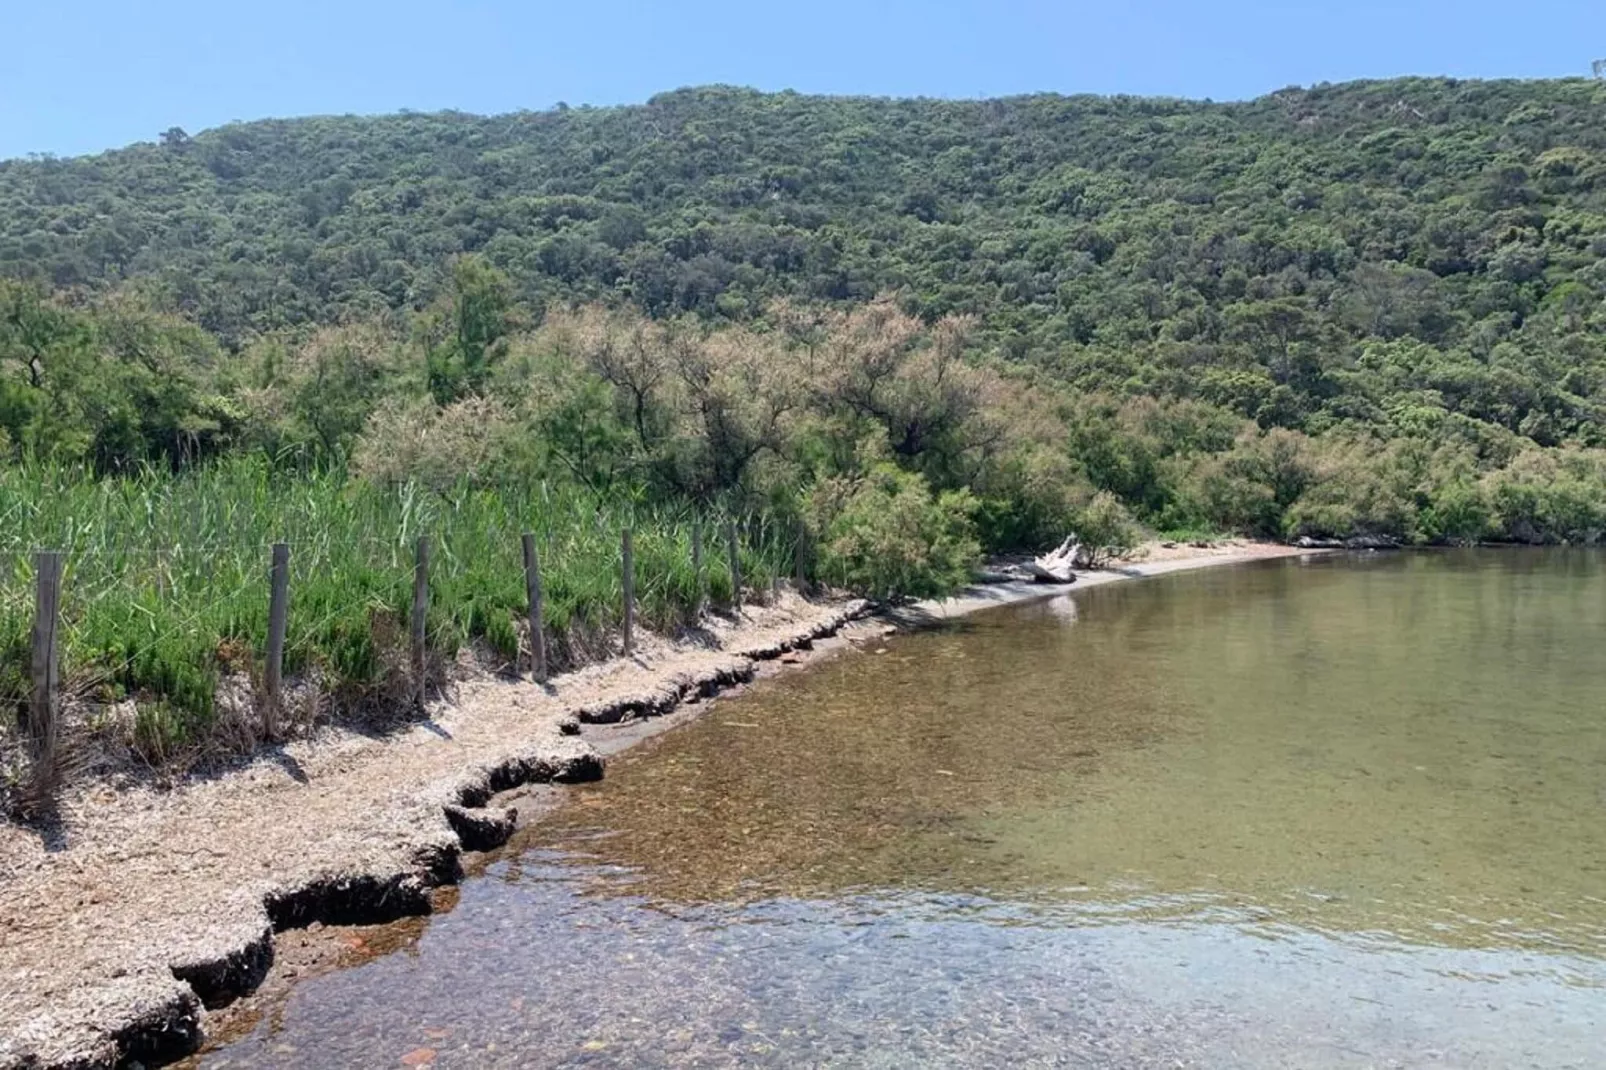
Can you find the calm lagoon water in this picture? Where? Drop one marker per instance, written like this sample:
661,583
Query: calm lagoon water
1330,812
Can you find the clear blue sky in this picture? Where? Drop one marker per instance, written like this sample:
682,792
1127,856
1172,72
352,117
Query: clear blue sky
84,75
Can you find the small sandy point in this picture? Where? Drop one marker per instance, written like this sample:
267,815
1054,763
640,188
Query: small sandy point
1150,559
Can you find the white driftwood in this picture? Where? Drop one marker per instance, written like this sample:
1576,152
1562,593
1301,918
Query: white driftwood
1056,566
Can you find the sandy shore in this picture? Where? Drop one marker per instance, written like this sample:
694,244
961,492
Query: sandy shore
145,909
1154,559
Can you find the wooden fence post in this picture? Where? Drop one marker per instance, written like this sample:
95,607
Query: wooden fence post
800,574
46,667
775,577
697,603
735,548
629,564
532,589
420,621
278,617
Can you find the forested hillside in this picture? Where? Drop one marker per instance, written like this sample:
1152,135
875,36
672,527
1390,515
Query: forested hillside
879,336
1310,285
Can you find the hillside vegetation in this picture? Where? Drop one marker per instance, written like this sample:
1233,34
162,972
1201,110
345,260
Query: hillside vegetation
1411,271
910,328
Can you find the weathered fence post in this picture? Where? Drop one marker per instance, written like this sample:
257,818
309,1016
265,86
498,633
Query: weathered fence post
629,564
775,577
735,549
697,567
532,589
278,617
46,667
420,621
800,573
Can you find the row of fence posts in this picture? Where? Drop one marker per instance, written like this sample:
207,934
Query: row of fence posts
46,656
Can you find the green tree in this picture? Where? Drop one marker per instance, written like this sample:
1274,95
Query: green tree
465,334
46,355
886,536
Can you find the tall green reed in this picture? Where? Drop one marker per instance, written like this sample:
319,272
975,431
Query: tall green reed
167,575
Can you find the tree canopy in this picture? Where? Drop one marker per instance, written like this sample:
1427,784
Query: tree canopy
1221,310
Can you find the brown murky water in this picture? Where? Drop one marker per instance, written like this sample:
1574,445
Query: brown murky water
1339,812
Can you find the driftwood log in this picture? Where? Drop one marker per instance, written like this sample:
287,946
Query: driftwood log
1056,566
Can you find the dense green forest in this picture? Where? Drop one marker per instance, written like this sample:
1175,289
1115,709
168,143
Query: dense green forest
1371,307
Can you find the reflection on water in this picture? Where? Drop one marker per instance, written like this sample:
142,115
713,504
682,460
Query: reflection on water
1340,812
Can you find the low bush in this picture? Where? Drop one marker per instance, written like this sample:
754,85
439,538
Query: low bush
886,536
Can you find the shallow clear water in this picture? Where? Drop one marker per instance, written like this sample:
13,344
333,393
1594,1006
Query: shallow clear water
1334,812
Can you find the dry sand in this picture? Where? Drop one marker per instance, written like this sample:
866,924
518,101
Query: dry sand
145,907
1151,559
